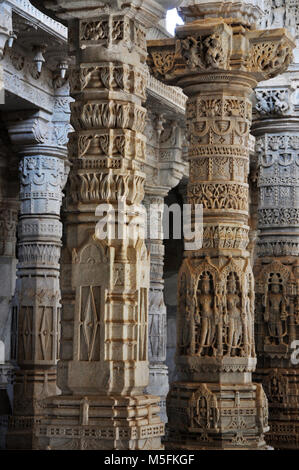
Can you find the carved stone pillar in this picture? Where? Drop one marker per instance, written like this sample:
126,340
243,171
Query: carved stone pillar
158,373
164,169
36,304
8,223
218,62
253,200
104,345
276,128
9,207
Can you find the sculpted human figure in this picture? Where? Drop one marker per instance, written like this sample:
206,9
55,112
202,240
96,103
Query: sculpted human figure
204,410
214,51
205,317
262,105
191,53
278,14
234,317
275,312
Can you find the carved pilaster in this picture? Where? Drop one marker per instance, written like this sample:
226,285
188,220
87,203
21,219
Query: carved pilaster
218,63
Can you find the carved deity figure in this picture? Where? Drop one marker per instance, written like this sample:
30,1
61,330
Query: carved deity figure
233,317
279,12
203,409
205,317
275,316
191,52
214,53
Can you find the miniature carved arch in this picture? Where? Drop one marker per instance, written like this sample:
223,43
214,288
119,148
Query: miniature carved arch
91,252
239,273
282,273
203,409
90,264
207,267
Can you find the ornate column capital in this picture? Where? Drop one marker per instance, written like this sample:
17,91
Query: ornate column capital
213,45
164,166
39,129
44,167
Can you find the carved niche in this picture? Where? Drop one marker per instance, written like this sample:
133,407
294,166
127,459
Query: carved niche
216,308
276,308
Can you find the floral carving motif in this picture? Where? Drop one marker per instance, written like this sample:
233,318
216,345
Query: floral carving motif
273,101
271,58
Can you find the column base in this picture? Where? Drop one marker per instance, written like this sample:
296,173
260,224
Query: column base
211,416
31,388
101,423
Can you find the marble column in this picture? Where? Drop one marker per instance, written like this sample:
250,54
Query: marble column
164,169
158,372
253,199
36,303
218,62
276,127
104,344
9,206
